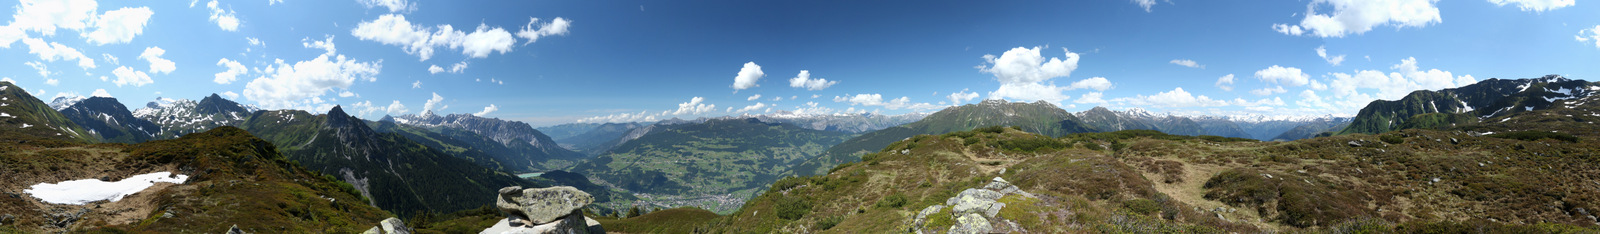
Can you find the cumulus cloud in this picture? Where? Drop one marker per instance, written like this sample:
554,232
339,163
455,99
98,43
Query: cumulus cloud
100,93
234,71
1091,98
230,94
803,80
51,51
223,18
1096,83
962,96
1334,60
300,84
1187,63
1536,5
1175,98
395,6
436,101
877,100
753,97
47,16
748,75
435,69
1146,4
1283,75
416,85
554,27
1405,77
128,76
393,29
367,108
1269,91
621,118
1589,34
749,108
1022,73
1225,82
43,69
486,110
1275,101
694,107
1359,16
157,64
119,26
326,44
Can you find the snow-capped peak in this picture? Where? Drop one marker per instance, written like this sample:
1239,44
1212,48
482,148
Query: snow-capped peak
62,102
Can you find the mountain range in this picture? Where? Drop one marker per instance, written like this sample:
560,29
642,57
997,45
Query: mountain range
534,151
33,119
1468,104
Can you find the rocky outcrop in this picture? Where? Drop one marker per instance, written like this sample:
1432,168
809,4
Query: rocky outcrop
544,210
975,210
389,226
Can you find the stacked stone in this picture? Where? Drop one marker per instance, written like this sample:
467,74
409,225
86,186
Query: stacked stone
975,210
544,210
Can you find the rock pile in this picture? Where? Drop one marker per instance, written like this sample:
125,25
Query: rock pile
974,210
544,210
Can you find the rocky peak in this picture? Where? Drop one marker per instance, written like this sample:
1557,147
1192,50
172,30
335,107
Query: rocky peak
215,104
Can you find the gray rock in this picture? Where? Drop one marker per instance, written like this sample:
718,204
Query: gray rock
974,201
923,216
389,226
1354,144
971,223
573,223
993,210
235,230
594,226
542,205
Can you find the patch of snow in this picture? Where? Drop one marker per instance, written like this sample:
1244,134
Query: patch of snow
1527,108
78,192
3,114
25,125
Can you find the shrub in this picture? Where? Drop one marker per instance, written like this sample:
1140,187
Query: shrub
1142,206
793,208
895,201
829,222
1392,139
787,183
991,129
1535,135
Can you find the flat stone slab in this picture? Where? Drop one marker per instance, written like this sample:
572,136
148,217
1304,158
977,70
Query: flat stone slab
542,205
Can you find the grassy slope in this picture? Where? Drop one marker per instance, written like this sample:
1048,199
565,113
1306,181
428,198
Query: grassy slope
235,179
1039,117
43,122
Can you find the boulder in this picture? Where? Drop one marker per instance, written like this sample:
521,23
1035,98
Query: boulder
573,223
235,230
973,201
389,226
542,205
971,223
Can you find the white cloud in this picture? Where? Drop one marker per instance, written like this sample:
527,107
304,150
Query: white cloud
416,85
694,107
109,58
555,27
753,97
223,18
435,69
962,96
234,71
1275,101
1225,82
457,67
1096,83
803,80
366,108
1359,16
1145,3
43,69
1283,75
392,29
157,64
1593,34
253,41
1536,5
877,100
748,75
230,94
1091,98
1269,91
1175,98
1335,60
1022,73
100,93
1187,63
52,82
273,2
486,110
119,26
749,108
51,51
128,76
436,101
300,85
347,93
45,16
620,118
779,98
1407,77
395,6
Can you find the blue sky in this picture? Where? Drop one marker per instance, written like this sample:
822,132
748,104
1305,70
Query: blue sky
651,60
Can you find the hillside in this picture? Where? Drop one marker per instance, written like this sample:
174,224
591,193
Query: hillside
848,123
1314,129
111,120
716,164
234,179
1038,117
1468,104
1412,181
567,129
29,118
601,138
400,175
